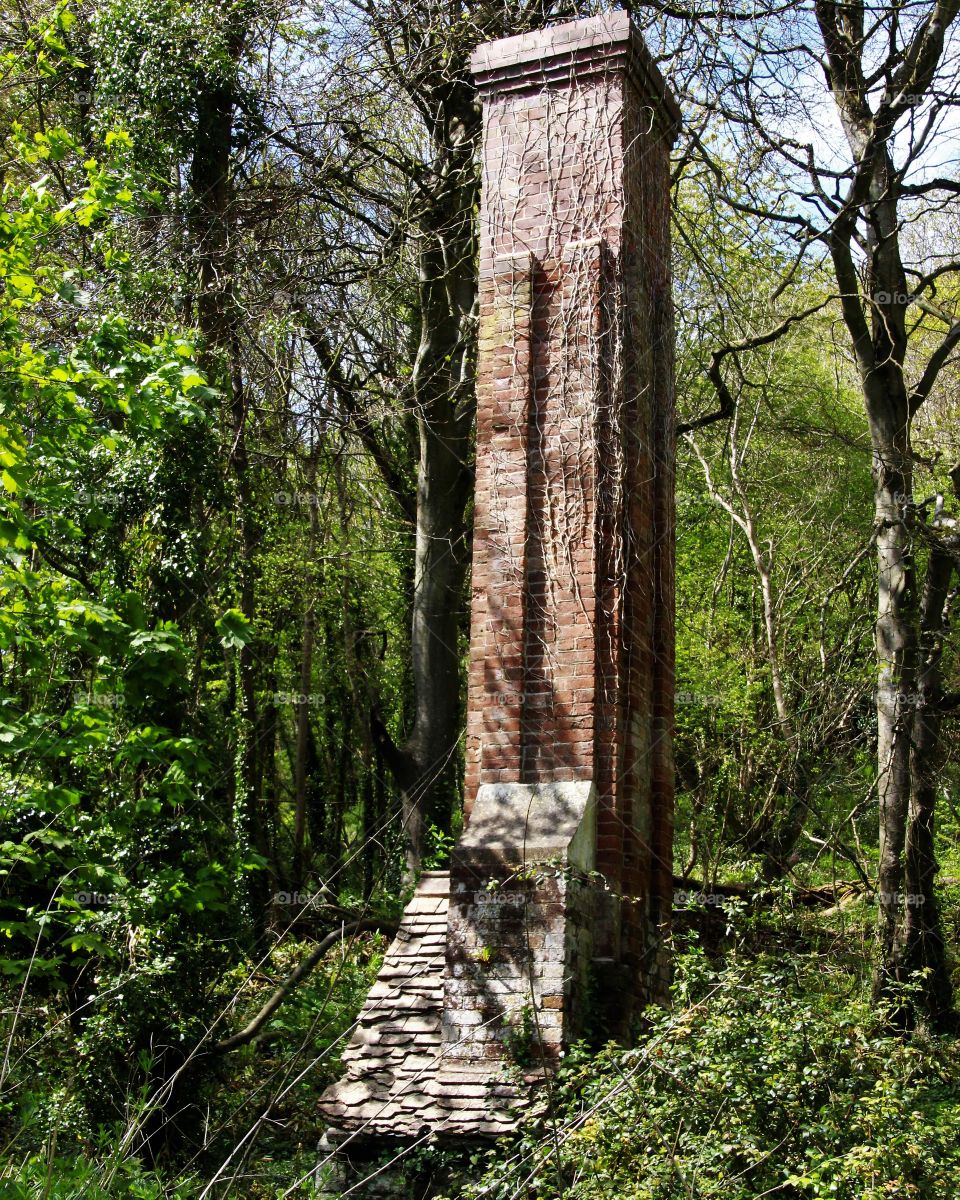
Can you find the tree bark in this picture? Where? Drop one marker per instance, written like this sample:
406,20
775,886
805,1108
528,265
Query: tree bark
219,318
896,682
424,765
921,947
876,321
304,705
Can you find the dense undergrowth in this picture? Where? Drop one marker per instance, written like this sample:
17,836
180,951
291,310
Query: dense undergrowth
767,1080
770,1076
248,1121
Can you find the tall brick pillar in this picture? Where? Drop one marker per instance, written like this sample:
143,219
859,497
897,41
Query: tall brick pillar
549,922
571,656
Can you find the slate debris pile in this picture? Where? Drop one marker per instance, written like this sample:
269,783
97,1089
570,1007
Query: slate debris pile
398,1084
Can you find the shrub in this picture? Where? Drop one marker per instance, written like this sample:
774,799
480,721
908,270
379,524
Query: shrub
766,1081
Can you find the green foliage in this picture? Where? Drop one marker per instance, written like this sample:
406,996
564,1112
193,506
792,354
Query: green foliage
57,1177
99,775
154,61
296,1057
117,872
520,1039
439,844
792,465
763,1080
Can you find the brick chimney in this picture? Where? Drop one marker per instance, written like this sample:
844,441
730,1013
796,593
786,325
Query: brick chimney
571,654
560,886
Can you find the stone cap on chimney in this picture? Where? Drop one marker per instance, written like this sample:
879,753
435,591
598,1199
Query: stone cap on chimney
559,54
533,822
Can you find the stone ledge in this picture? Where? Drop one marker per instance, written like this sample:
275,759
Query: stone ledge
522,48
533,822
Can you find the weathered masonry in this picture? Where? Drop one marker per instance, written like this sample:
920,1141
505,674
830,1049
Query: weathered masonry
550,918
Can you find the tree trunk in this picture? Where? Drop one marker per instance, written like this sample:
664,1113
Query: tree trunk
896,684
303,704
218,317
921,946
425,766
250,775
877,326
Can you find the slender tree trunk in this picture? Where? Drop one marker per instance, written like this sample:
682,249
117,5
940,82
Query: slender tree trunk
267,766
922,946
303,705
219,317
318,774
372,820
896,684
424,766
879,338
250,781
774,832
367,851
343,800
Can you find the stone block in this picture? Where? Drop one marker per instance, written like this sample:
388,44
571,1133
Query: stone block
534,821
